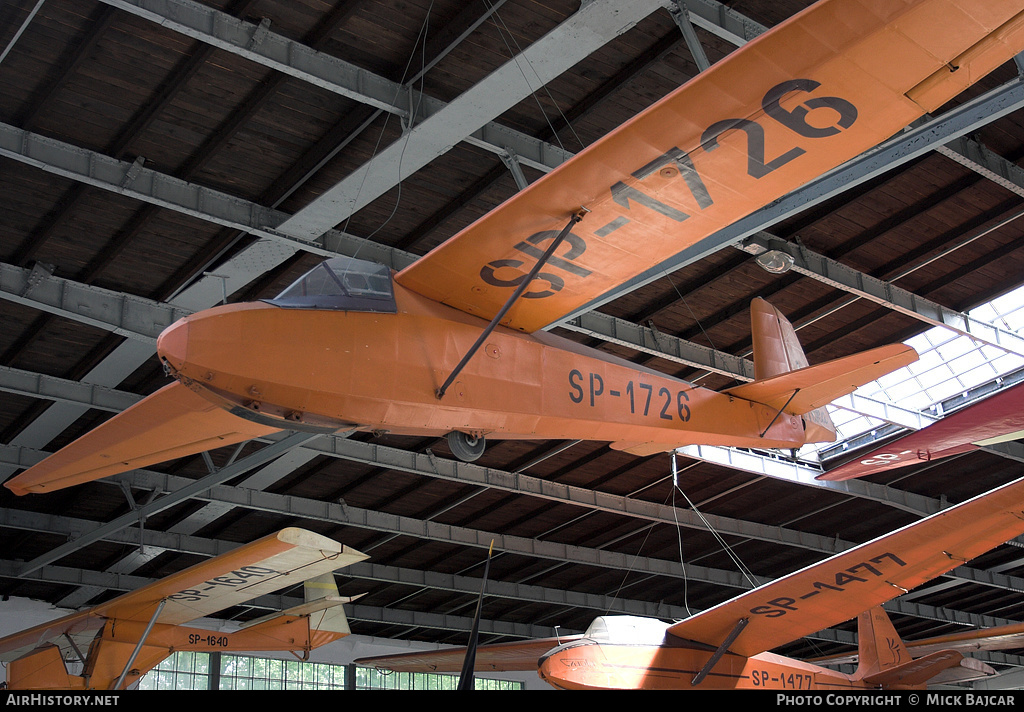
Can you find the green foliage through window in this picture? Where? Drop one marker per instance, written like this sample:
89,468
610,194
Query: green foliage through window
206,671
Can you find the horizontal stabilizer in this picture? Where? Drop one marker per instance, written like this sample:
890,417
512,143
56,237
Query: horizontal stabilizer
171,423
303,609
799,392
916,672
1006,637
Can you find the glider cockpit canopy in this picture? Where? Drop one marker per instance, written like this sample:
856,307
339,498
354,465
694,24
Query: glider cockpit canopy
343,284
627,630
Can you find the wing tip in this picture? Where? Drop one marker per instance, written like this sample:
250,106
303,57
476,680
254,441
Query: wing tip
16,489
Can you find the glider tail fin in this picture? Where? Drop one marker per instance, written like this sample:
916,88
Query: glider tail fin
42,669
880,647
777,351
324,590
885,662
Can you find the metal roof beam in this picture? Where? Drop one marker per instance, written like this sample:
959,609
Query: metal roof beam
596,23
201,546
465,473
721,21
838,275
165,191
125,315
584,32
367,519
428,465
344,515
38,385
784,468
681,16
340,514
983,161
647,340
258,44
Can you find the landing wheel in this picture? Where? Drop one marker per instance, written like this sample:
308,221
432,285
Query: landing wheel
465,447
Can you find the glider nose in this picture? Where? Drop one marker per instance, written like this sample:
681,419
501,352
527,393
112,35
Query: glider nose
172,344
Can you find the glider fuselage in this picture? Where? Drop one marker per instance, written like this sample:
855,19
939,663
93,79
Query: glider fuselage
378,371
589,665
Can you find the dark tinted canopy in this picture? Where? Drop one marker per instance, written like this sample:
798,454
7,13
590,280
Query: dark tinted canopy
341,283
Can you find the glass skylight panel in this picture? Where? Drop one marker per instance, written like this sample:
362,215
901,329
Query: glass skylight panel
949,365
954,348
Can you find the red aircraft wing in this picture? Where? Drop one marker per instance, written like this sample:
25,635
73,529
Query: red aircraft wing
997,418
819,89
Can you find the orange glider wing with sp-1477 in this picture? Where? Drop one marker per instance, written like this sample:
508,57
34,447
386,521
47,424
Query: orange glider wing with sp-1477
724,647
129,635
351,346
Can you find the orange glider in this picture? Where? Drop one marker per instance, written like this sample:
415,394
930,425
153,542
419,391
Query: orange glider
352,347
725,647
129,635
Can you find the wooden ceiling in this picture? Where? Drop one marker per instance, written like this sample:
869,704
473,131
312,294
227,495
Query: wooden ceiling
89,84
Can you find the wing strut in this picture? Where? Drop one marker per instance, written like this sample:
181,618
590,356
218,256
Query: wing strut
780,411
576,217
74,647
138,646
713,660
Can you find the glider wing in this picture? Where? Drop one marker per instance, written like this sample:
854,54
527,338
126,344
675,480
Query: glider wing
841,587
278,561
819,89
998,418
171,423
500,657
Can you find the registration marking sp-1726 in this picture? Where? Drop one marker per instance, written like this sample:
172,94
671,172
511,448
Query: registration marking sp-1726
833,115
643,398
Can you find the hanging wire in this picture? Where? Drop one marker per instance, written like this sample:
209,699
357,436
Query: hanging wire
515,55
746,572
686,304
413,109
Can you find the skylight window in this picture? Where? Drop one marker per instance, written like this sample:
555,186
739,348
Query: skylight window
950,364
